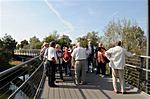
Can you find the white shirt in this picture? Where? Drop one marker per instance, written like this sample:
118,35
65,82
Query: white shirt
116,55
79,53
51,53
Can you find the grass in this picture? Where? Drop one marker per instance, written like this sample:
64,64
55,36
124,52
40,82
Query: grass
14,62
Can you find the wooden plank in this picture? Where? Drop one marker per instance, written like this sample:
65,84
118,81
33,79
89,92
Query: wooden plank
67,92
45,93
61,91
96,88
51,93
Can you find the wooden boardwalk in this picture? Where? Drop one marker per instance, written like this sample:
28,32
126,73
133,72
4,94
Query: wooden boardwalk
96,88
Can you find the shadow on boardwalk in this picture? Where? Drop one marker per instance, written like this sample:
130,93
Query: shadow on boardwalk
96,88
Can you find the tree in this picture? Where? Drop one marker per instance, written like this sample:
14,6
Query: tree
64,40
35,43
52,37
24,43
83,40
93,37
90,36
1,44
129,32
7,46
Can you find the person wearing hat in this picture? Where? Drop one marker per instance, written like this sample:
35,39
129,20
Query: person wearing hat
43,49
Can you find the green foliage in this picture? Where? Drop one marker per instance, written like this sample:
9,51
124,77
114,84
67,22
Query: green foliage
35,43
5,56
129,32
83,40
1,43
24,43
7,46
64,40
93,37
52,37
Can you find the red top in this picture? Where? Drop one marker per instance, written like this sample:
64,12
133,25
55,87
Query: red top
66,55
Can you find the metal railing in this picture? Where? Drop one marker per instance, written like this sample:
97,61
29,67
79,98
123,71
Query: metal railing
27,52
137,72
22,81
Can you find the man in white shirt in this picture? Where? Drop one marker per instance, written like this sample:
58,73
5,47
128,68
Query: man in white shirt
116,55
79,57
52,57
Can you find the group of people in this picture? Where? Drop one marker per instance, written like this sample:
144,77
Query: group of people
80,58
55,59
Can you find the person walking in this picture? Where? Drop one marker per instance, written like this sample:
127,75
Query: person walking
79,57
116,55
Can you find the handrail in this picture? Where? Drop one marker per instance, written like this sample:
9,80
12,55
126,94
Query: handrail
138,75
10,97
40,86
17,66
137,67
27,52
13,78
145,56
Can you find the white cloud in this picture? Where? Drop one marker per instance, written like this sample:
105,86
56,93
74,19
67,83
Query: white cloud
65,22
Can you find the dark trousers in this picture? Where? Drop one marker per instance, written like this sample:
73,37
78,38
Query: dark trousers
59,68
102,67
90,60
67,67
51,73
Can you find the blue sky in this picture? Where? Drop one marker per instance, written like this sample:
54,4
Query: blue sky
23,19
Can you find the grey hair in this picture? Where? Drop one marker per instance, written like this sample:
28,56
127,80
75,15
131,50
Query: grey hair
78,44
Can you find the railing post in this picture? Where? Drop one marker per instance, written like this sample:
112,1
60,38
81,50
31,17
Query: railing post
147,78
148,50
140,72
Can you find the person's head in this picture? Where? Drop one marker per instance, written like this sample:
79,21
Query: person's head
45,44
57,46
78,44
99,48
66,48
100,45
119,43
52,44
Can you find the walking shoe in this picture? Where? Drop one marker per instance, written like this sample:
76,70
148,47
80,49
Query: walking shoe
123,92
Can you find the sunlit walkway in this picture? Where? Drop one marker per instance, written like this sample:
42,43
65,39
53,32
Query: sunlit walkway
96,88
